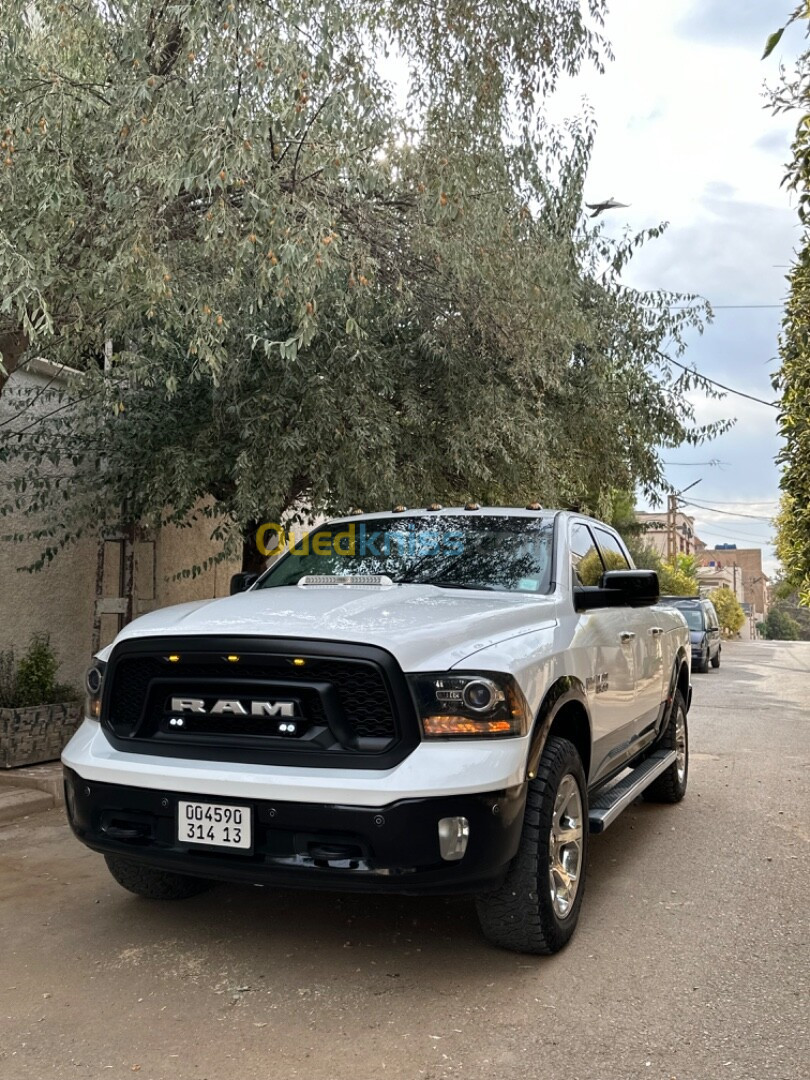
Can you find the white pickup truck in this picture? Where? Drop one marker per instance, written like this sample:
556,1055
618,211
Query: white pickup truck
420,701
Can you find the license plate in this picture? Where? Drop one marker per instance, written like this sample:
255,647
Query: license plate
214,825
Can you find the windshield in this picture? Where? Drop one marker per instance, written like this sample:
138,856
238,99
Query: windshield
693,616
504,553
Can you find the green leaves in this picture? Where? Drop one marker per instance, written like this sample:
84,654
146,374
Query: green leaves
772,42
317,296
793,377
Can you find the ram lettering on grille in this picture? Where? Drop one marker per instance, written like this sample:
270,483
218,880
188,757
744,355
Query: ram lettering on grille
233,707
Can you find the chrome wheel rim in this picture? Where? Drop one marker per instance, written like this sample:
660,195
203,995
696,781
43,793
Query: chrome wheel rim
680,745
565,847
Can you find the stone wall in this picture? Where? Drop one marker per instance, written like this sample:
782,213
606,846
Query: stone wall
30,736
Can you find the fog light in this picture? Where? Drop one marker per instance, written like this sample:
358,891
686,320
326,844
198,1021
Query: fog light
454,832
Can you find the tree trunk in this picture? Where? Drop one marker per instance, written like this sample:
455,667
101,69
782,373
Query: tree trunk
253,562
12,348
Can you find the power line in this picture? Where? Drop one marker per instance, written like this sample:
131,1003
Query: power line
727,513
729,307
719,530
714,463
714,382
744,502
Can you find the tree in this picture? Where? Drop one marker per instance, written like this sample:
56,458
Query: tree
729,611
314,298
793,377
678,578
785,599
779,626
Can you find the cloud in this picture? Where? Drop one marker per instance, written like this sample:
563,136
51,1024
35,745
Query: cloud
720,189
775,142
744,23
732,254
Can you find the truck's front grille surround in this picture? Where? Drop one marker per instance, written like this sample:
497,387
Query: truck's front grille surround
355,697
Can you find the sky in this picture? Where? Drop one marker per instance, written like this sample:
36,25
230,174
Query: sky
684,136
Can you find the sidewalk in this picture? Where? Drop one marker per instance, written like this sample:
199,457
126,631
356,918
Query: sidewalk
29,790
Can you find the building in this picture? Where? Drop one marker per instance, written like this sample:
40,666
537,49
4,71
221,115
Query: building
745,566
725,577
655,533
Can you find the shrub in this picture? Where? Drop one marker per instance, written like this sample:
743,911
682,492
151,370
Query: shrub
779,626
32,679
729,611
8,679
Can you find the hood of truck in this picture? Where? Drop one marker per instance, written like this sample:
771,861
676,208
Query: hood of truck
423,626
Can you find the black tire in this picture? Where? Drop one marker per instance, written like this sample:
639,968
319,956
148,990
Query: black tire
702,665
670,787
152,883
716,659
520,915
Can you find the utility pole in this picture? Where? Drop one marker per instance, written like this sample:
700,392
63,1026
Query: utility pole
672,510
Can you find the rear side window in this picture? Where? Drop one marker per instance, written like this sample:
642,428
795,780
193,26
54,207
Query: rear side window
612,551
711,614
694,616
586,563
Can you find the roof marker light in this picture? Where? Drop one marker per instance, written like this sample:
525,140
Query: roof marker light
399,509
232,658
534,506
435,506
298,662
174,658
471,506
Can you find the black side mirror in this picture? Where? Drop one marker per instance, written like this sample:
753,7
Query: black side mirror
620,588
242,582
637,587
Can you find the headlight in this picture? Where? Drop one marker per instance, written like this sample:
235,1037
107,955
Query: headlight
93,683
470,706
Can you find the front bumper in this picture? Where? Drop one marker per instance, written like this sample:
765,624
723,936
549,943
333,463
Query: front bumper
392,848
436,768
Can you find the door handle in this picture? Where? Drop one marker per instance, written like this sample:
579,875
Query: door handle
656,630
626,635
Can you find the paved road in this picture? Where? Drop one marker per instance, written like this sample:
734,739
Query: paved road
690,962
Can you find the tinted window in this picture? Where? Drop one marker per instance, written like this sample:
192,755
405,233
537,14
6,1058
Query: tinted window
614,557
508,553
586,563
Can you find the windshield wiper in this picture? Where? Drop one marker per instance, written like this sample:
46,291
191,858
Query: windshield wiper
444,584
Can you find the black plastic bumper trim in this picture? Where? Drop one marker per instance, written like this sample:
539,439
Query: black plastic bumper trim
394,848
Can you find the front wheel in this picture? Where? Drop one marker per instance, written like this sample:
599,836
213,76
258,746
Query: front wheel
537,907
702,666
670,786
716,659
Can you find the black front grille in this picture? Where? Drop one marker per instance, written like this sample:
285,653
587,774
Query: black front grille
354,704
